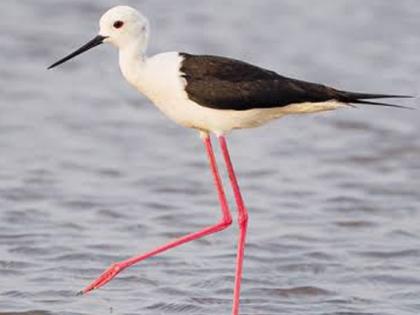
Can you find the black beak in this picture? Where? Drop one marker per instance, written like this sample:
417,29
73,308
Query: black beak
93,43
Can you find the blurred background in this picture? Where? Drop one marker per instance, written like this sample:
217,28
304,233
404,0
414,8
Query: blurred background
91,172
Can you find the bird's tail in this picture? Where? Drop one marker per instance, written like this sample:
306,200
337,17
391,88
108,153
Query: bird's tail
365,99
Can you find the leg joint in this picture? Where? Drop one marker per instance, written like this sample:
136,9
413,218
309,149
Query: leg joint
243,219
226,222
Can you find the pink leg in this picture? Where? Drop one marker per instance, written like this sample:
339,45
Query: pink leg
226,221
243,224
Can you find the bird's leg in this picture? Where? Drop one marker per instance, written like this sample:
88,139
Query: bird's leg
243,224
225,222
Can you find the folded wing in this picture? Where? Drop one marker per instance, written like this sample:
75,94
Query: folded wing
228,84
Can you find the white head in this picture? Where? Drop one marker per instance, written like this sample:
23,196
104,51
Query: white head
122,26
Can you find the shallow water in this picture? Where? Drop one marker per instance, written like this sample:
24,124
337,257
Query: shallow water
91,173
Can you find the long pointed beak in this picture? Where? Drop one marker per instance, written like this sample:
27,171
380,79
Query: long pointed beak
98,40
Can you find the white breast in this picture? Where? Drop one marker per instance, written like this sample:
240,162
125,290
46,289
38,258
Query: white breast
159,79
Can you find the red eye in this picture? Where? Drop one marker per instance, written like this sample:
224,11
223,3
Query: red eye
118,24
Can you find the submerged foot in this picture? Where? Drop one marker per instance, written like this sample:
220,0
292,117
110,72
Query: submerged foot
103,279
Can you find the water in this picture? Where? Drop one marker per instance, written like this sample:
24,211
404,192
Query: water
91,173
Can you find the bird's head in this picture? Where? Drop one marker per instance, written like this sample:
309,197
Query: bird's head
122,26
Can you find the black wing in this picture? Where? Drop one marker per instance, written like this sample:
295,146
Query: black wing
228,84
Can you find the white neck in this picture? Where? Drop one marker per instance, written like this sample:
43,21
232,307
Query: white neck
132,58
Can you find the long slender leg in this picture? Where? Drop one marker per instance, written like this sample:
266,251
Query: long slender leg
243,224
225,222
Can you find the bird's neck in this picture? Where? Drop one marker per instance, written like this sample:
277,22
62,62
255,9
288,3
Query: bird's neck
132,59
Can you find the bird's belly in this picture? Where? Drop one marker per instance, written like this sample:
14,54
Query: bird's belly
191,115
187,113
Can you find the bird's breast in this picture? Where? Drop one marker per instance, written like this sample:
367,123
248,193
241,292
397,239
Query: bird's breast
160,80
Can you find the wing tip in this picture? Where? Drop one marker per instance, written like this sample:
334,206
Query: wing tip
364,99
363,102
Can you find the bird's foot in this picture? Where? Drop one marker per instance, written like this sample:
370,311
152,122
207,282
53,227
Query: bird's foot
104,278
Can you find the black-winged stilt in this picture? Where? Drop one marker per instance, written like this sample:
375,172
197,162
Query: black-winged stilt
213,95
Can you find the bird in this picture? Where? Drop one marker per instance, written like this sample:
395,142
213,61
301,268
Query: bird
213,95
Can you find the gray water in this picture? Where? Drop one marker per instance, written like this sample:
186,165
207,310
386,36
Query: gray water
92,173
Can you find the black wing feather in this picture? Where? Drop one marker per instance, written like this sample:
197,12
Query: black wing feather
228,84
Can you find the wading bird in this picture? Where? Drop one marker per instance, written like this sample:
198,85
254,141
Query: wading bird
213,95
